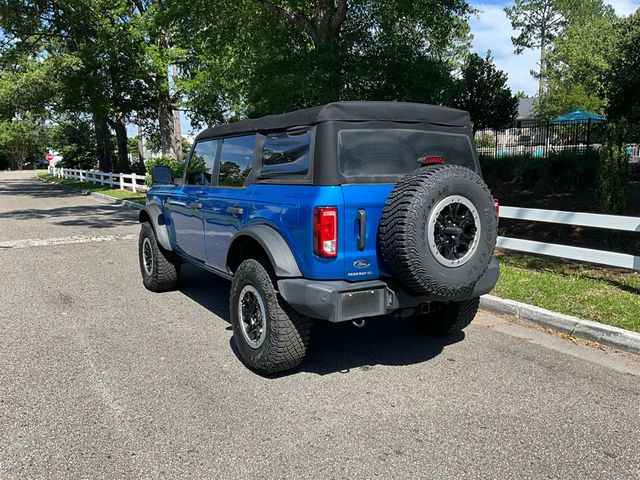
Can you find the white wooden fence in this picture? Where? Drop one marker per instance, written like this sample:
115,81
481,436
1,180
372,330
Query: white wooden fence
601,257
114,180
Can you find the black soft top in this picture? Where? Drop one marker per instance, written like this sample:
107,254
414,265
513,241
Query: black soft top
345,111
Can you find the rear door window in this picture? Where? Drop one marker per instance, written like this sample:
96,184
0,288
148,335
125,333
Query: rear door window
393,152
236,160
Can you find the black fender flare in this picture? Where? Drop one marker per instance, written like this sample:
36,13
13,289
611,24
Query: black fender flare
276,247
153,214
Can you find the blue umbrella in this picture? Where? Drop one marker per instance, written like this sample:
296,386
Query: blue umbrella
578,115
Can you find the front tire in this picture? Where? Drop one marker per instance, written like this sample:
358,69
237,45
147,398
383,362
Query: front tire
160,269
271,337
450,318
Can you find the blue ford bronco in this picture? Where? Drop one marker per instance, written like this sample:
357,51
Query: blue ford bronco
340,212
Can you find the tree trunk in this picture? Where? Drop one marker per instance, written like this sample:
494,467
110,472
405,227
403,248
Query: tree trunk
323,27
123,149
542,71
170,144
140,141
102,142
177,129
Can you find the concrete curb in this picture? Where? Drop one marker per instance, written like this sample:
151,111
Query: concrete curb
598,332
119,201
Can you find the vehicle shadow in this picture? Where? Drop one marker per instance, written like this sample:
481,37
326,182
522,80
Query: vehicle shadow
334,347
206,289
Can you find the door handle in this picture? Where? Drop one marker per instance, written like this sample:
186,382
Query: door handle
362,234
171,201
195,205
235,210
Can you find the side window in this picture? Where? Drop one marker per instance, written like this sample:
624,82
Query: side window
286,154
200,168
236,160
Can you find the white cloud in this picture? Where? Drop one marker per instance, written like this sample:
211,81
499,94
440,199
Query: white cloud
492,31
624,7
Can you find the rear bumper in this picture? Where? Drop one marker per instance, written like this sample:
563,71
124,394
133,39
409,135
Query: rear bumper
339,301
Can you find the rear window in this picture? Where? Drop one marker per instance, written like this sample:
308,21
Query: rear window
393,152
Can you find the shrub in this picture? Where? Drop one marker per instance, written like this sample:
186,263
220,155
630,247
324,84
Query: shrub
560,172
176,167
486,140
613,174
78,156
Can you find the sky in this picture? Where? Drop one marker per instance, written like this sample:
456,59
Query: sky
492,31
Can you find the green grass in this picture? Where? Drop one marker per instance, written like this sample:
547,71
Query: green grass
111,192
605,295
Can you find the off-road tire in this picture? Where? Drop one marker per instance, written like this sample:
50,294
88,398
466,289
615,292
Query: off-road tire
404,223
449,318
287,331
165,271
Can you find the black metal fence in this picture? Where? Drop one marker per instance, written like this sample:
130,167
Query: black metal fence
541,139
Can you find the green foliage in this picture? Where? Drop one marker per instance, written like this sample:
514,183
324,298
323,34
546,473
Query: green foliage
622,80
483,91
575,67
153,144
613,174
538,23
74,138
22,140
231,175
279,56
561,98
560,172
486,140
177,167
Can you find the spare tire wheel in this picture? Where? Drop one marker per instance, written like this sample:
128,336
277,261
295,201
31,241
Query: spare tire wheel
438,230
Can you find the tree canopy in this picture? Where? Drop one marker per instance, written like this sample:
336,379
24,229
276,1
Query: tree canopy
621,86
483,91
117,63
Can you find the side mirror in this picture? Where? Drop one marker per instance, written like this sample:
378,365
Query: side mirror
161,175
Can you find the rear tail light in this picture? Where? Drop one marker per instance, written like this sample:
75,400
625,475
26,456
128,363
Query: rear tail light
325,231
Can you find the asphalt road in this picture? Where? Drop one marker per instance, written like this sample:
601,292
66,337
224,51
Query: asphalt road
100,378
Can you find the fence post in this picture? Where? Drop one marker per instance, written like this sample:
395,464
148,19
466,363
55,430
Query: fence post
121,181
133,182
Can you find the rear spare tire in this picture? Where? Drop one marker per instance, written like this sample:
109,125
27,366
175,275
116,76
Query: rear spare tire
438,230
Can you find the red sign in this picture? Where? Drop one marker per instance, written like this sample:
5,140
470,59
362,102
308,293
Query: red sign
48,157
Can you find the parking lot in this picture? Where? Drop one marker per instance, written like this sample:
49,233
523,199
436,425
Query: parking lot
100,378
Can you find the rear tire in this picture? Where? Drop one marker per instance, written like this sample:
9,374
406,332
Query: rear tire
271,337
160,269
450,317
